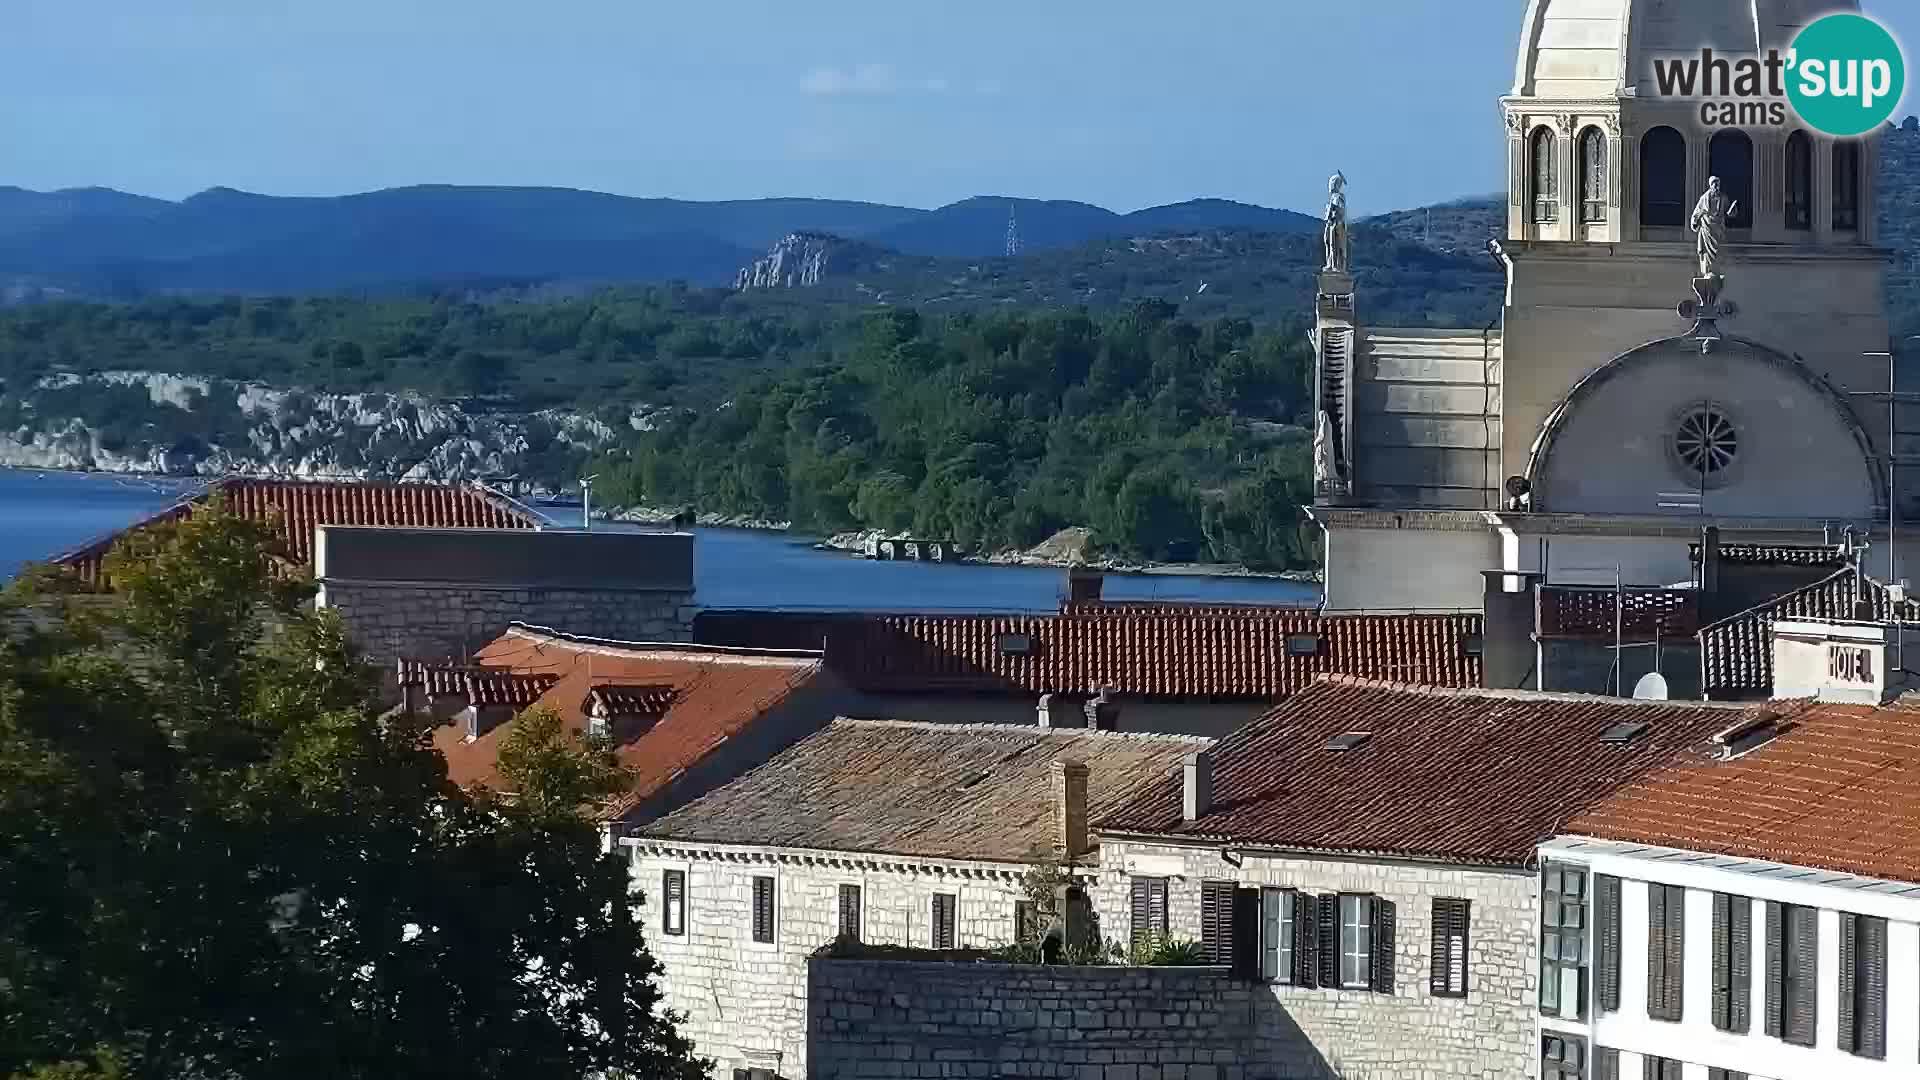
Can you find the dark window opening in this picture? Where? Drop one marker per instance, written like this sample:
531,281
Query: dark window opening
1545,179
1663,178
1846,186
1730,157
943,920
1799,182
1593,177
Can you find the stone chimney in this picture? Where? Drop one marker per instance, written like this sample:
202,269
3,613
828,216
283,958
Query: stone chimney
1197,786
1084,585
1069,786
1710,560
1056,711
1103,712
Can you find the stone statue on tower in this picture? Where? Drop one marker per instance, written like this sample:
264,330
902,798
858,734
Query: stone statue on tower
1709,223
1338,252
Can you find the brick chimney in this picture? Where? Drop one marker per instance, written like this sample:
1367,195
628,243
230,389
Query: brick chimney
1069,787
1103,712
1197,786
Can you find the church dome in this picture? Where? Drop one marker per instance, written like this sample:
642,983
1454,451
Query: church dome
1587,50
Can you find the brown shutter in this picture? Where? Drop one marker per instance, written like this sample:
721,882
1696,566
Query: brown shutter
1216,921
1722,962
763,909
1872,1017
1775,1023
1606,899
1381,977
1450,919
1306,940
1740,966
1157,907
850,911
1244,945
1142,912
1330,941
1657,969
943,920
1804,939
1844,1038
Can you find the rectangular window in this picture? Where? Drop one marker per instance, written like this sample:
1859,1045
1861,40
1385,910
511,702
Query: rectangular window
1732,962
673,902
1606,942
1356,942
1666,949
763,912
1563,940
1606,1063
1277,930
850,912
1448,976
1793,946
1026,921
1863,986
1725,1074
1656,1068
1562,1057
943,919
1149,911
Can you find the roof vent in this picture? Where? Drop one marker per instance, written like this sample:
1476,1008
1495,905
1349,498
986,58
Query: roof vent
1749,734
1472,644
1348,740
1014,644
1303,644
1622,734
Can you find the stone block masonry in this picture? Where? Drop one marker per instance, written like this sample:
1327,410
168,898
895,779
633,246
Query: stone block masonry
431,621
870,1020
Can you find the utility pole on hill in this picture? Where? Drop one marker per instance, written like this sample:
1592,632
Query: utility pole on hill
1013,230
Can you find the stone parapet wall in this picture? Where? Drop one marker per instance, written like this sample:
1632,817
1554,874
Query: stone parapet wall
430,621
880,1019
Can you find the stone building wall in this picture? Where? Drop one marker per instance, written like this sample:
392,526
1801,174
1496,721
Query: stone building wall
882,1019
1410,1034
390,620
746,1001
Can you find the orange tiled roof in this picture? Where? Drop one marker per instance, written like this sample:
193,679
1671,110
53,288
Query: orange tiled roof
1838,790
1464,776
716,694
1213,651
297,506
1736,653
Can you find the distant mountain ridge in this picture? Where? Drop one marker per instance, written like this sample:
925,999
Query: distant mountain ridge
96,242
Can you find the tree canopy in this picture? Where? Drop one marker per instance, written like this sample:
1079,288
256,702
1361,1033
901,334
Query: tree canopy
222,861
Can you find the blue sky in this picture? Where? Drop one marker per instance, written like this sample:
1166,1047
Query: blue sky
1125,103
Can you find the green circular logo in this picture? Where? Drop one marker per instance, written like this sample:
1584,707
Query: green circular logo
1845,75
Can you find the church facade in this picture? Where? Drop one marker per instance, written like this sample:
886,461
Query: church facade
1672,352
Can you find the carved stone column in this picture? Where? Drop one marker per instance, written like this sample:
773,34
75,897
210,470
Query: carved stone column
1519,215
1822,190
1567,163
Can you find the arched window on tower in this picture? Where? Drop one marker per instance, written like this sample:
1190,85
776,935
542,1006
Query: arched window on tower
1663,178
1846,186
1799,181
1730,157
1593,177
1544,179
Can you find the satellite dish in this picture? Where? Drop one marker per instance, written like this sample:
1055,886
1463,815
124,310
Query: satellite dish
1651,687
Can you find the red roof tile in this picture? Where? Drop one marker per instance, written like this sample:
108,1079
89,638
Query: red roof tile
610,699
1838,790
1466,776
716,694
1215,651
1736,653
297,506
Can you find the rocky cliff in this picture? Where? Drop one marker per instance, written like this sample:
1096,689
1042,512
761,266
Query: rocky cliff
804,259
152,422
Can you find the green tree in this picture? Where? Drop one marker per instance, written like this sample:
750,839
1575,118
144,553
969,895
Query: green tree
222,862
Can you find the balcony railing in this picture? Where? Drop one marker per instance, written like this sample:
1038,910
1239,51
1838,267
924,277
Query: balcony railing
1590,611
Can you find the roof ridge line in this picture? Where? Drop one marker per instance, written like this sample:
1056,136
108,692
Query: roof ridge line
530,630
1359,682
1019,729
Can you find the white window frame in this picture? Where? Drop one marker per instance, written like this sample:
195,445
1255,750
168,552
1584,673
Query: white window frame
1356,940
1561,973
1276,933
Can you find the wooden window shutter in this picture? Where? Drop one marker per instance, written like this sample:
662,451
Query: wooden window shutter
673,910
1803,932
763,909
1606,930
1142,912
1244,945
1216,921
1872,1011
1330,940
1775,1022
850,911
943,919
1306,940
1380,978
1157,908
1449,946
1606,1064
1676,956
1659,971
1849,931
1725,1074
1656,1068
1740,942
1722,962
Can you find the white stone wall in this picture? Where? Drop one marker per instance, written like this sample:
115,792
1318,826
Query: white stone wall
390,621
1410,1034
744,999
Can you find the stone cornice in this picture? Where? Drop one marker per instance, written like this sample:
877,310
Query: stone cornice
838,860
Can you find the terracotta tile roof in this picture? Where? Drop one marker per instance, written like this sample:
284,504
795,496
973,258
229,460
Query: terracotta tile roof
611,699
1214,651
1463,776
936,791
1736,653
297,506
481,686
1838,790
716,695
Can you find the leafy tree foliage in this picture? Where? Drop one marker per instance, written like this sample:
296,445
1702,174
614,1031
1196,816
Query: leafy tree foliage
222,863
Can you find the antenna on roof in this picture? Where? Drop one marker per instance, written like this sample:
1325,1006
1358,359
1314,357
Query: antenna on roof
586,502
1651,687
